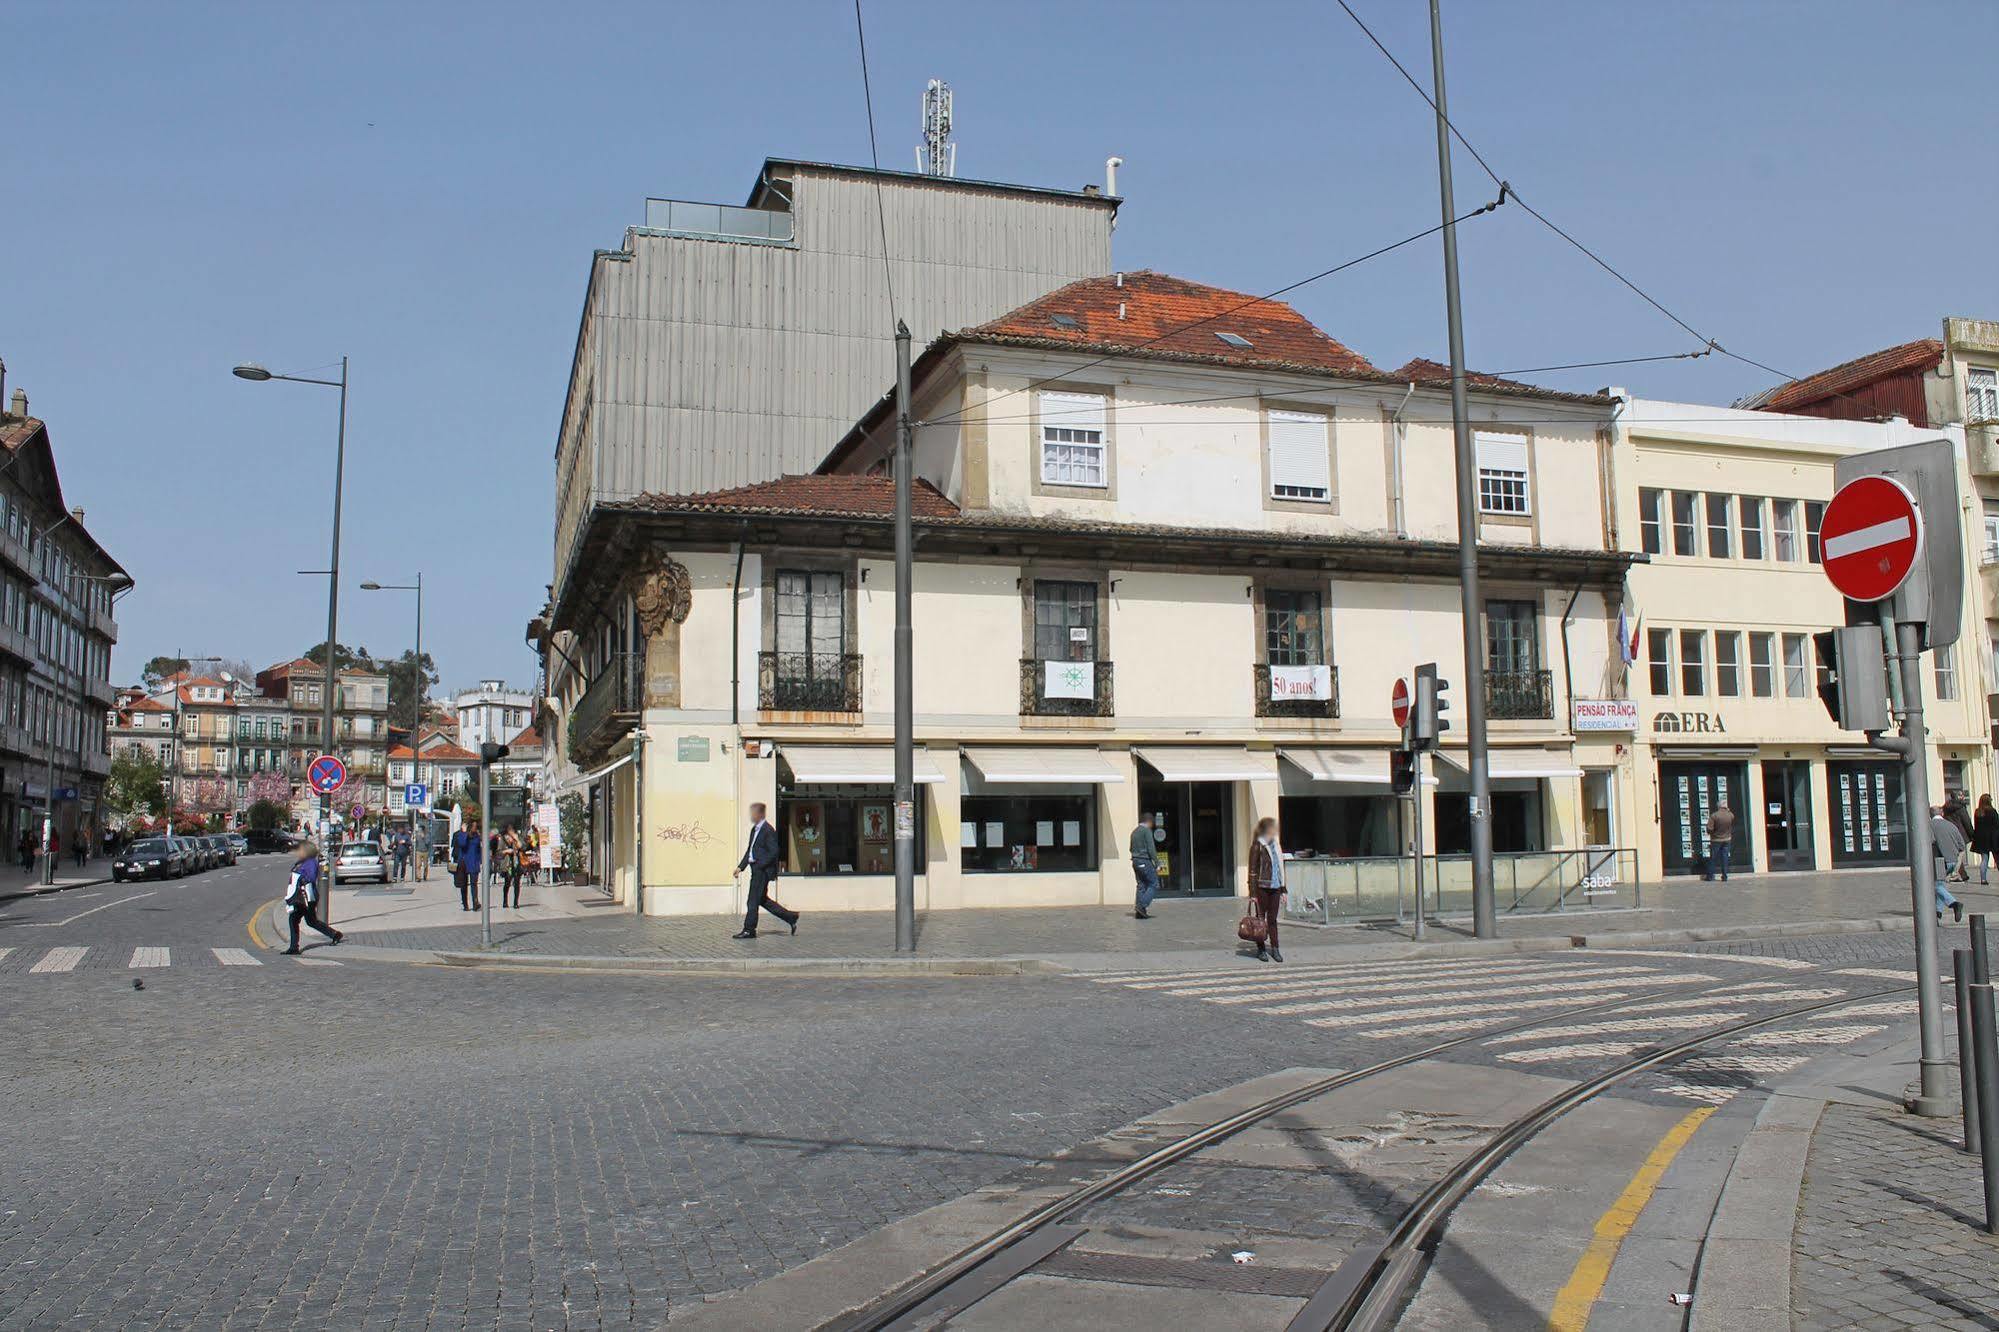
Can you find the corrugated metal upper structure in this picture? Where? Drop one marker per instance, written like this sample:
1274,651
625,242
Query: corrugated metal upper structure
1880,384
727,346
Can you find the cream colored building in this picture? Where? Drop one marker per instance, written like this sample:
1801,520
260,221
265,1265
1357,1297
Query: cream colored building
1725,506
1159,567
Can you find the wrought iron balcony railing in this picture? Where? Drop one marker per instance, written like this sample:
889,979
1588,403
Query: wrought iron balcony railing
809,682
609,707
1065,688
1519,695
1292,705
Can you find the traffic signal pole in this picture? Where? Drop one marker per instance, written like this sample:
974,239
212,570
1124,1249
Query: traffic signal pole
1484,924
905,715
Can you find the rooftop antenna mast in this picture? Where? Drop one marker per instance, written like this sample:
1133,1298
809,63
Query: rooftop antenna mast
937,156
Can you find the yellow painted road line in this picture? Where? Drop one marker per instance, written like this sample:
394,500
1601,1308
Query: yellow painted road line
251,926
1585,1284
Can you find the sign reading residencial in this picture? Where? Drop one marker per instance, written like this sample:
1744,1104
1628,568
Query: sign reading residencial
1604,714
1872,533
1068,679
1301,682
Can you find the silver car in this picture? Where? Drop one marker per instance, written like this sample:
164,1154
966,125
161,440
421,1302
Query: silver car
360,861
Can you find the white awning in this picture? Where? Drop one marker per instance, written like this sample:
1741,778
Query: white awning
1022,764
1346,767
854,765
1210,763
1517,764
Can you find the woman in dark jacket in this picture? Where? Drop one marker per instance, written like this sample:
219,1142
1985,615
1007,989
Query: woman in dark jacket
1266,885
1985,837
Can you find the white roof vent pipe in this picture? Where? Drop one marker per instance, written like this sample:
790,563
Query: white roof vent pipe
1111,164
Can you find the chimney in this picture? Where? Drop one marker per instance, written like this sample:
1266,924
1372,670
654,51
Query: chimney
76,515
19,406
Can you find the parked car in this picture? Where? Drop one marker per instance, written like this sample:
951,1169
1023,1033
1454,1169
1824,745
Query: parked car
149,858
267,840
239,845
360,860
221,848
194,852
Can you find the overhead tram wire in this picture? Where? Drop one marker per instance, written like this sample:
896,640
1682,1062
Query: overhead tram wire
1233,309
1507,187
874,156
1353,387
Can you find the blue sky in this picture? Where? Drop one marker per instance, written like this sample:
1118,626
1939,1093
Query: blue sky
419,187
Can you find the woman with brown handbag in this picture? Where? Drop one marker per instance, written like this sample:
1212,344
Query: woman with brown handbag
1266,886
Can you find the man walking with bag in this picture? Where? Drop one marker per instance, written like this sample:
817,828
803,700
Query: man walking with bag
1144,865
302,896
760,858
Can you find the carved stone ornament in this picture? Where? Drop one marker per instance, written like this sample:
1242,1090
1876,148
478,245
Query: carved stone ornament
661,592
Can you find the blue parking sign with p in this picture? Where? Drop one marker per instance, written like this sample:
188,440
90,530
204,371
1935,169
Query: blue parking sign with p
416,793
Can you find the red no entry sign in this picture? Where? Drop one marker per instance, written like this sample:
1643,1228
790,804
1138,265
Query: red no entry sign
1398,702
1872,533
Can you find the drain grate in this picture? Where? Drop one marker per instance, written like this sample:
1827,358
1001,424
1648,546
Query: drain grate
1181,1273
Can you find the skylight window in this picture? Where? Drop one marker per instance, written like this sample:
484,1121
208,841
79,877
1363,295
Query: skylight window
1236,340
1064,321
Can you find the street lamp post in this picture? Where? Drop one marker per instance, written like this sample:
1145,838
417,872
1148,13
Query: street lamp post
422,688
258,374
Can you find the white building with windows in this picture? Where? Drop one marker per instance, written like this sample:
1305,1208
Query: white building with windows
1162,565
1725,505
492,712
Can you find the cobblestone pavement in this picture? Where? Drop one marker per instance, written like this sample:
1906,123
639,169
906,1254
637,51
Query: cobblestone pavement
1890,1227
1177,925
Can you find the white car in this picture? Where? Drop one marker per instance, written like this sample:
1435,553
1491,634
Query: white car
355,861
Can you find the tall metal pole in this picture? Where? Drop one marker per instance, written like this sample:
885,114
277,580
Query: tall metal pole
173,750
1933,1097
416,714
1416,847
905,713
485,857
1483,923
333,638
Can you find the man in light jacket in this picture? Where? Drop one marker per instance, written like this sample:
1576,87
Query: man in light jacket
1145,865
760,859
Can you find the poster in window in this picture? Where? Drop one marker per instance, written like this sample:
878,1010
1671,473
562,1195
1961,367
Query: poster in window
1022,857
995,835
808,837
968,835
1072,832
874,823
1044,832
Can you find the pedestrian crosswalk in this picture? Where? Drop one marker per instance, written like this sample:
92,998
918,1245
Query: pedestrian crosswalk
65,959
1447,998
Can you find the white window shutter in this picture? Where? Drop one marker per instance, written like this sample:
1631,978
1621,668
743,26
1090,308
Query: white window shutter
1300,456
1073,411
1502,453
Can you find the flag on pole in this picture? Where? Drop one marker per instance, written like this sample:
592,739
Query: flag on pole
1627,637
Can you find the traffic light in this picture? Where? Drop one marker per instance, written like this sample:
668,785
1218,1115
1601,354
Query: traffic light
1401,771
1427,713
492,752
1853,677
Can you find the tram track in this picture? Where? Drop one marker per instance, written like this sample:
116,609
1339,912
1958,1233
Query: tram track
1368,1288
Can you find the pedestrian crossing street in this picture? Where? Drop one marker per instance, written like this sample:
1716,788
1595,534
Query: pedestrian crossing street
1448,998
67,958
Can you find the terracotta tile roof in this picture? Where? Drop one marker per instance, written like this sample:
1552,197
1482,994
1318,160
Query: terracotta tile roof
146,705
1920,355
1156,311
437,754
18,430
528,739
1422,370
831,496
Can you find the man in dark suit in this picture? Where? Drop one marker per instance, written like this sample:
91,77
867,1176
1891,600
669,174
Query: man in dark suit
760,858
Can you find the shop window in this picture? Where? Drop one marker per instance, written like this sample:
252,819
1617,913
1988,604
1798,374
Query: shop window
1065,621
1652,521
1340,827
1659,660
1516,822
1717,527
1027,834
841,829
1749,512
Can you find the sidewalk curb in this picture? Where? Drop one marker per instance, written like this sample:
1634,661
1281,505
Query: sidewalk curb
1084,964
45,890
1744,1277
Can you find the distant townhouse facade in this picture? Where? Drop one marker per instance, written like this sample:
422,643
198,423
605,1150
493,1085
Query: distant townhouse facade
57,587
491,712
447,771
360,739
1725,507
1165,571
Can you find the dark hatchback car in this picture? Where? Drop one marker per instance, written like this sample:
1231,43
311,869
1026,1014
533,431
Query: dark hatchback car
267,840
149,858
